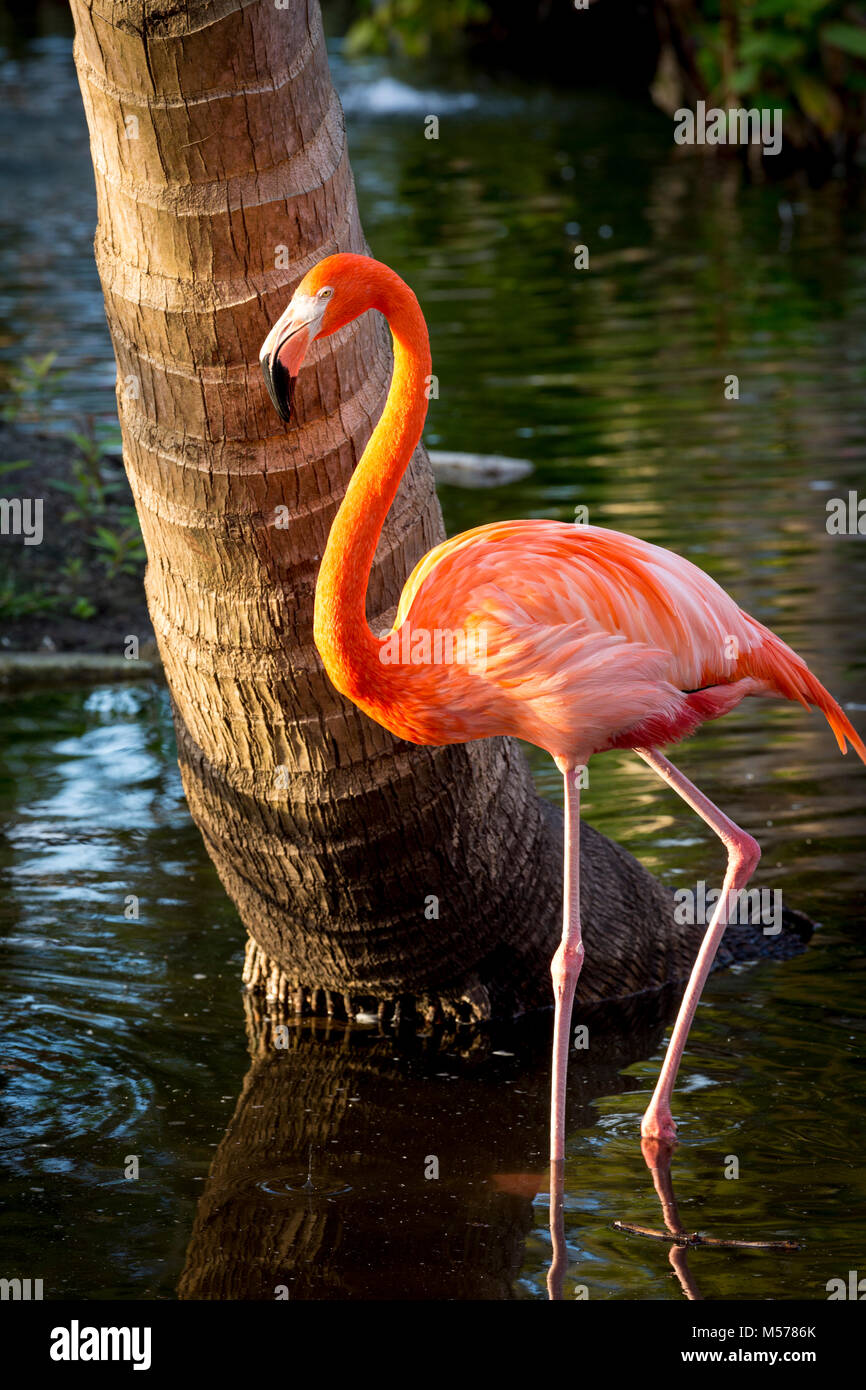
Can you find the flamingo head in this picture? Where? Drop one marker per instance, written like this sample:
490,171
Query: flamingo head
336,290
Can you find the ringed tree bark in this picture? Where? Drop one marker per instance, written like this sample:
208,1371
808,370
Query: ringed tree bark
362,867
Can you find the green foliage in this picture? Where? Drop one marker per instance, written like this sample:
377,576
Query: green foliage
807,57
73,568
88,497
847,37
83,608
801,55
411,26
120,552
97,527
88,489
16,603
7,468
30,386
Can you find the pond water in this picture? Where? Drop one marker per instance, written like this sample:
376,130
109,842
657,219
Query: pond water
127,1035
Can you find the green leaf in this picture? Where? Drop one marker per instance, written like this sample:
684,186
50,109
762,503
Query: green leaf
107,539
744,79
771,48
819,102
83,608
364,36
848,37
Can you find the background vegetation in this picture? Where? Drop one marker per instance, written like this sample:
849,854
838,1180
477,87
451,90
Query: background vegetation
806,56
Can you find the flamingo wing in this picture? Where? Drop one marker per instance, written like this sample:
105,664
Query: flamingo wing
594,638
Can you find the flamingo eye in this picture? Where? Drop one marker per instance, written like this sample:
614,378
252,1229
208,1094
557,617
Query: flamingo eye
325,292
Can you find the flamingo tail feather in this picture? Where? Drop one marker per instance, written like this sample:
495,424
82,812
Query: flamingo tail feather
787,673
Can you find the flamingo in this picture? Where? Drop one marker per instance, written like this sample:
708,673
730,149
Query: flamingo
575,638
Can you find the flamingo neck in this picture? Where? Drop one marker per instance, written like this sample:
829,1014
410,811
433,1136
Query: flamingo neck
348,648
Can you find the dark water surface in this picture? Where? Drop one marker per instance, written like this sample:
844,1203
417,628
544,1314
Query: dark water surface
128,1037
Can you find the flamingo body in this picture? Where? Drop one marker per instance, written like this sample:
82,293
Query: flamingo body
591,640
575,638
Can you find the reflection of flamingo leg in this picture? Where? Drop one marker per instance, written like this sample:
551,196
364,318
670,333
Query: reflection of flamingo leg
658,1160
657,1156
556,1273
743,856
566,963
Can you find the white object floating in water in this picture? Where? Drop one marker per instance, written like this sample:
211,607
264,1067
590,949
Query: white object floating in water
385,96
477,470
362,1016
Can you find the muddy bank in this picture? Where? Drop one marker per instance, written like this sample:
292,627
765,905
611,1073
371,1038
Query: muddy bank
71,557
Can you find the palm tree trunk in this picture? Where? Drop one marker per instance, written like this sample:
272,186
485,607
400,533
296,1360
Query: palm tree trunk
361,866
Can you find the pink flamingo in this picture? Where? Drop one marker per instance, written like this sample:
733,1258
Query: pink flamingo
575,638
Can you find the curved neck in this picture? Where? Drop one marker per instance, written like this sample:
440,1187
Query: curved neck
348,648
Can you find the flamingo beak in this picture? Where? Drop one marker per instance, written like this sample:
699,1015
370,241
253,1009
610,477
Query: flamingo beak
283,352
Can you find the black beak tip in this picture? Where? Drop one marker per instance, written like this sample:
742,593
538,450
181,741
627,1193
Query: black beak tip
281,387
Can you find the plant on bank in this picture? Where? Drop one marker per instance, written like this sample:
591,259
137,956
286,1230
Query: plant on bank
29,387
110,530
413,27
806,57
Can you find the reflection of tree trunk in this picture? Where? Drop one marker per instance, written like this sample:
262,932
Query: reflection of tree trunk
217,139
373,1120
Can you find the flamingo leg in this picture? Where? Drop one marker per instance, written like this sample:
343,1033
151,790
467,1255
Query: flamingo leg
743,856
566,963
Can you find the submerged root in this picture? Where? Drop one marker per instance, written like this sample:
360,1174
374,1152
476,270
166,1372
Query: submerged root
287,998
